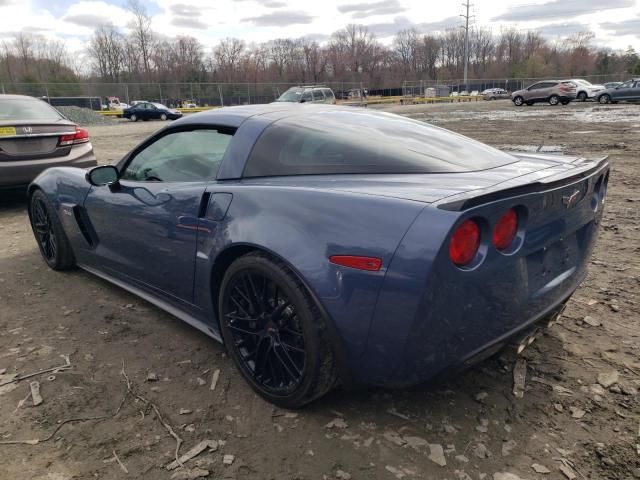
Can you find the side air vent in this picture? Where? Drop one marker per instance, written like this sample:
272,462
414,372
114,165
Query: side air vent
85,227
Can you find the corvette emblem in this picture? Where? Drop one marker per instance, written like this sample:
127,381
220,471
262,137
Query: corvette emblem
570,200
27,130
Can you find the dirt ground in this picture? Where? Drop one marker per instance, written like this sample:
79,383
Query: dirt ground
471,427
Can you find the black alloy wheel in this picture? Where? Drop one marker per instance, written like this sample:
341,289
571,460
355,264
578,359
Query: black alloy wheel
274,332
49,233
43,230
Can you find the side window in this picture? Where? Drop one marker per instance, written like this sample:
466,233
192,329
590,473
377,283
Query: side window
188,156
328,94
306,97
536,86
317,96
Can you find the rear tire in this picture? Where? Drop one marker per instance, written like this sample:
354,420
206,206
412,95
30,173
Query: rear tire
554,100
518,101
48,231
275,332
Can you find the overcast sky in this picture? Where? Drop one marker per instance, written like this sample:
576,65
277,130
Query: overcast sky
616,23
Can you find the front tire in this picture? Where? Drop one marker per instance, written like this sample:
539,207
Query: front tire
582,96
134,118
275,332
52,240
604,99
518,101
554,100
163,117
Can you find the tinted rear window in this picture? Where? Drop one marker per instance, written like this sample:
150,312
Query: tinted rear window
350,142
27,109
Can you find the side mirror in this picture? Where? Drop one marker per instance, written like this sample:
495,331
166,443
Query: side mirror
103,175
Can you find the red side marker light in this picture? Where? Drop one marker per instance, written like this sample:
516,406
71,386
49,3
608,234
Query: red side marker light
464,243
505,229
371,264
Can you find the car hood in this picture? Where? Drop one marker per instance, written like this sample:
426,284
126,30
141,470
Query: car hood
430,188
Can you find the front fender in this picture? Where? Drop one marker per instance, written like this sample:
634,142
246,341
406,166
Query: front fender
62,185
66,188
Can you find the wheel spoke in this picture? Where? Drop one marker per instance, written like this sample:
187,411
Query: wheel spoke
240,306
242,294
233,316
284,360
261,359
241,330
291,347
254,298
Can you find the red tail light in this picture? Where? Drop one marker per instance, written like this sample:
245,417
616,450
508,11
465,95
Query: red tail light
81,136
371,264
464,243
505,230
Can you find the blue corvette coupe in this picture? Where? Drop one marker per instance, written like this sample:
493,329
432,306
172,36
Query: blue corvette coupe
327,245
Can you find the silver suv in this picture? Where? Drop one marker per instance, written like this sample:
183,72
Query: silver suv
553,91
308,94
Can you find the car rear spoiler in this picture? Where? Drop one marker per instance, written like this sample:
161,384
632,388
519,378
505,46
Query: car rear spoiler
585,168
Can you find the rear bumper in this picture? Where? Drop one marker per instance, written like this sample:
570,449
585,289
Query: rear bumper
22,172
432,316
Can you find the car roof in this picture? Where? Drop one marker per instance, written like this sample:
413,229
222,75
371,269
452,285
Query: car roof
18,97
235,116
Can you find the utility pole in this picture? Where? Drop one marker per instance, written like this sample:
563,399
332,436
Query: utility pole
466,17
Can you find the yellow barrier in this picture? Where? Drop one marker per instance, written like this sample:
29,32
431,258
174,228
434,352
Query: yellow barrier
409,100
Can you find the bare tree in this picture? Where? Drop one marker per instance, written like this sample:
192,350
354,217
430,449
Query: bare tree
227,56
141,32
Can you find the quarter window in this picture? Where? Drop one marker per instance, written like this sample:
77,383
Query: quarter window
186,156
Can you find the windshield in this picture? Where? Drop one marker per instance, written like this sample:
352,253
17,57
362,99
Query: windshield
292,95
27,109
582,82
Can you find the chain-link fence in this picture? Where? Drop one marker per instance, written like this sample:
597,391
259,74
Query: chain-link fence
174,94
226,94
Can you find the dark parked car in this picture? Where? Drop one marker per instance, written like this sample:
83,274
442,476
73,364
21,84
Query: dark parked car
628,91
328,245
553,91
35,136
150,111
